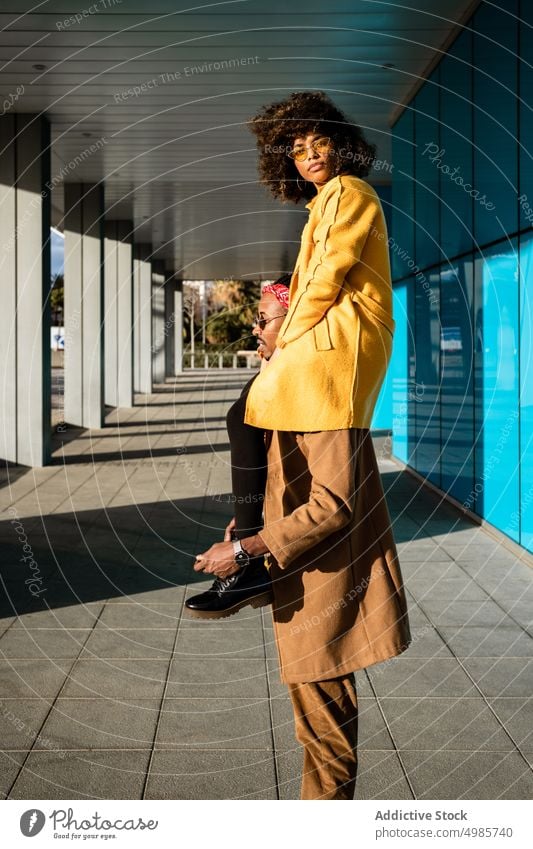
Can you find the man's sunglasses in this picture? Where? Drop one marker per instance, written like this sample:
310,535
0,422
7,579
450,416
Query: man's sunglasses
261,323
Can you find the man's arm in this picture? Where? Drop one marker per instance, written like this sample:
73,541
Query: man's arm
328,509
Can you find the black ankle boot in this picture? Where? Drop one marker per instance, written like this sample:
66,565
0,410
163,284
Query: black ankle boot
251,585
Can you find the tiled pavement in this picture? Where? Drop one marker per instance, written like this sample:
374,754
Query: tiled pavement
109,691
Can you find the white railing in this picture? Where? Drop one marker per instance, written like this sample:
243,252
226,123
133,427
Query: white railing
241,359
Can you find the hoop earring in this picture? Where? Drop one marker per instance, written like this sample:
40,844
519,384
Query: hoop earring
298,184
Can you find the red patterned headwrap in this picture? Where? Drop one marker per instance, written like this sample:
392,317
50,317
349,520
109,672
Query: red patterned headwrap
279,291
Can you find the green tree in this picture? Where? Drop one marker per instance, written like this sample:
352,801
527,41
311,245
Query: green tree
57,300
231,307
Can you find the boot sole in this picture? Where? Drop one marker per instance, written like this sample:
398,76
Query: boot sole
261,600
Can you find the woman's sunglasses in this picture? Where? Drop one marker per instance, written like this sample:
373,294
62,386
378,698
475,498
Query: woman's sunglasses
321,145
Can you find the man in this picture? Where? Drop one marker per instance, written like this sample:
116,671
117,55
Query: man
339,604
251,585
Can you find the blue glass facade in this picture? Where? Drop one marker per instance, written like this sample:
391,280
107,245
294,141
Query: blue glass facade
462,255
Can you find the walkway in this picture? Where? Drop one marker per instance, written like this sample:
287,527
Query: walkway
110,691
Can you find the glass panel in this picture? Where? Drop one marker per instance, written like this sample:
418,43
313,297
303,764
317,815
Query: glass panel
382,418
495,122
526,393
495,495
427,169
526,116
398,371
403,195
426,393
456,144
457,383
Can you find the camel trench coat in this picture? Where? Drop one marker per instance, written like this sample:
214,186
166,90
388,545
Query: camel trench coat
339,603
339,328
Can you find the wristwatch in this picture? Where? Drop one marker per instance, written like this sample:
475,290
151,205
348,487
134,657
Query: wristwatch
241,557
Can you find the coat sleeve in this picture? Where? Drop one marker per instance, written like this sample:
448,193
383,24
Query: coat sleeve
330,459
339,238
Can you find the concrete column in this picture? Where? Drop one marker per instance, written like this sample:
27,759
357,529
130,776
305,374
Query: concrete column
118,323
84,301
25,376
170,318
142,319
178,326
159,330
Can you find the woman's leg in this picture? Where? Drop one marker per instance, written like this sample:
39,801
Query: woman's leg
248,468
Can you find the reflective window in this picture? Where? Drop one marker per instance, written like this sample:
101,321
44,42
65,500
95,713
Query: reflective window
428,161
496,469
403,204
457,384
398,371
425,391
525,210
495,122
525,519
456,146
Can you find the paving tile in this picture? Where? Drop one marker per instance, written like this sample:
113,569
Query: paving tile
501,677
468,775
130,643
43,642
163,592
21,721
379,775
138,615
469,613
215,723
10,764
405,676
212,774
516,714
82,775
101,724
417,617
217,678
426,642
498,568
5,622
73,616
480,641
32,678
521,612
117,678
465,724
221,642
445,590
417,552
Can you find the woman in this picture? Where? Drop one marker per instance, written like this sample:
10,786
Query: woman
339,326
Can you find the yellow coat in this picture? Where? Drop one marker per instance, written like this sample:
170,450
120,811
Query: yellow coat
336,340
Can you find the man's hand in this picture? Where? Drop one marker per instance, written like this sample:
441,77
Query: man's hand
229,529
217,560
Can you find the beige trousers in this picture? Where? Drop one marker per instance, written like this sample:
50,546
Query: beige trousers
325,715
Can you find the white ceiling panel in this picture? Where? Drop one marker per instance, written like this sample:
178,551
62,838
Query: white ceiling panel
152,98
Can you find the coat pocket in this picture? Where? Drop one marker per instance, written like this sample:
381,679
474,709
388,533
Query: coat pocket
321,335
375,309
